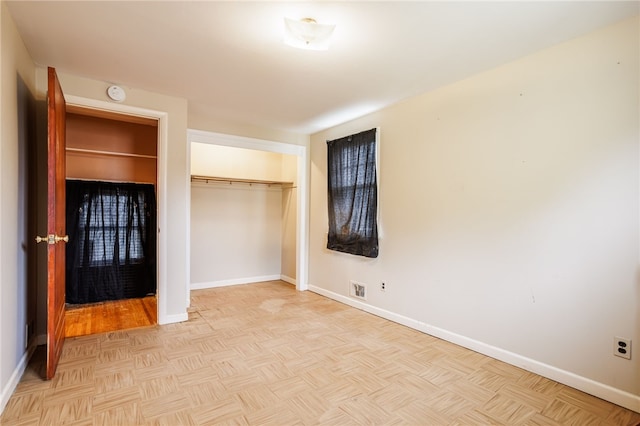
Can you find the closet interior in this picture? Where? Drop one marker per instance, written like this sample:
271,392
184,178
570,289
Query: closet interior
243,216
111,272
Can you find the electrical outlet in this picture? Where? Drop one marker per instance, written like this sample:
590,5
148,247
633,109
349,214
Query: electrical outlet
383,286
622,347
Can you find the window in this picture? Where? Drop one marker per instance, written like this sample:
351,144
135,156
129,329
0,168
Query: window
111,252
353,194
111,223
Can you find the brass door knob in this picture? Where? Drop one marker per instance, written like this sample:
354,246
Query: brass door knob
52,239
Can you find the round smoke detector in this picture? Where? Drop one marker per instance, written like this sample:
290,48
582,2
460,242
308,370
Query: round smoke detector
116,93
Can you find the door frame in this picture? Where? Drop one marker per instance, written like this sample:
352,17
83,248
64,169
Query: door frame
302,219
161,191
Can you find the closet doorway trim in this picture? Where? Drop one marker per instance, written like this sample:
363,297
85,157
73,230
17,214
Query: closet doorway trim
161,191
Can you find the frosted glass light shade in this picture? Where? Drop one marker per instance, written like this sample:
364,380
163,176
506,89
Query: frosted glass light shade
307,34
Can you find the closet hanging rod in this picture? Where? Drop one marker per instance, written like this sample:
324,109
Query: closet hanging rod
114,153
208,179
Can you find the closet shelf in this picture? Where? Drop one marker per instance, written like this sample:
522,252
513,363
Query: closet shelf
208,179
113,153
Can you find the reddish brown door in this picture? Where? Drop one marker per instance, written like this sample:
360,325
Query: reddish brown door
56,229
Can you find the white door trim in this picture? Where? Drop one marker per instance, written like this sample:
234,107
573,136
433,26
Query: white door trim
163,122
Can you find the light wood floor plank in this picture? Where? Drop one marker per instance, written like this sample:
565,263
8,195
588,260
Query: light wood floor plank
265,354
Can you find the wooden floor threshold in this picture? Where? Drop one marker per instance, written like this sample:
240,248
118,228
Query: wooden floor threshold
115,315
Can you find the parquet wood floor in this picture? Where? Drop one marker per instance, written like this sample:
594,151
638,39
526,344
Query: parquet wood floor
110,316
263,354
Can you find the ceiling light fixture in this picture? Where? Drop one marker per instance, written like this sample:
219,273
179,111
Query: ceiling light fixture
307,34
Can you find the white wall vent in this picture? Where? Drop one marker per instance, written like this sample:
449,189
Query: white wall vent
358,290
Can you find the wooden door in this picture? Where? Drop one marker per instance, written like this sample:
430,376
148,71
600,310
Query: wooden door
56,230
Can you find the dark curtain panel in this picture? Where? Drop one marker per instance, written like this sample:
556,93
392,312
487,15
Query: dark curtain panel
353,194
111,253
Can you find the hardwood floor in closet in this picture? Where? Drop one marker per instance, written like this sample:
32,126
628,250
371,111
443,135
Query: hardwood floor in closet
110,316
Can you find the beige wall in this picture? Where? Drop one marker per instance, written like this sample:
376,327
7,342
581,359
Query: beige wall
17,88
209,123
235,233
509,210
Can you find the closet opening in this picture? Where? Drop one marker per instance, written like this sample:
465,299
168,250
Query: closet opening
248,216
111,270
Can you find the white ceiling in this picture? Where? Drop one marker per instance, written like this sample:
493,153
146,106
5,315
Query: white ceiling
228,59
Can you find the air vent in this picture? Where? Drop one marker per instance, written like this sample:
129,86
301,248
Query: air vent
358,290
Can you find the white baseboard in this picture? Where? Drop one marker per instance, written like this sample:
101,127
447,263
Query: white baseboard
11,385
170,319
237,281
288,279
600,390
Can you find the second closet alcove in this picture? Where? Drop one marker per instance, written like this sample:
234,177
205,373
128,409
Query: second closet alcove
243,216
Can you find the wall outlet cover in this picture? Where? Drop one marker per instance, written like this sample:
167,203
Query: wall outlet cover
622,347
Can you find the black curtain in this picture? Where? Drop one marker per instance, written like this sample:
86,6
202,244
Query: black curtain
111,253
353,194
